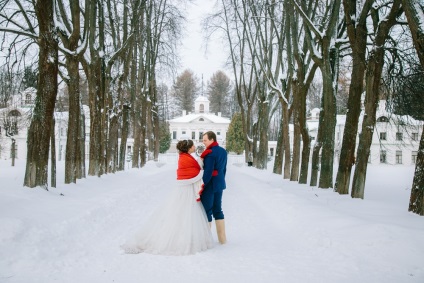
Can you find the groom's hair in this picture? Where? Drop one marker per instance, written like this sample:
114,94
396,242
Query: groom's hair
211,135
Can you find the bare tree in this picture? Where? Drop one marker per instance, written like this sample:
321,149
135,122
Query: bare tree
357,30
414,14
70,34
372,86
325,33
39,132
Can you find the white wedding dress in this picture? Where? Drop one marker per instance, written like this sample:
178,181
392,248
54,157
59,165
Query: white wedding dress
179,227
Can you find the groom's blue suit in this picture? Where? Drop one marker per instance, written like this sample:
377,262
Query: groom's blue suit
215,168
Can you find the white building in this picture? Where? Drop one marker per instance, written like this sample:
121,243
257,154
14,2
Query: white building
395,140
193,125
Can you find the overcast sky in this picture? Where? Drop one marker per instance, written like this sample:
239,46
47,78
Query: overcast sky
193,50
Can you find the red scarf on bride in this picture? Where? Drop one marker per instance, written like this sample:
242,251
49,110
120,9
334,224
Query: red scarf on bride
188,167
206,152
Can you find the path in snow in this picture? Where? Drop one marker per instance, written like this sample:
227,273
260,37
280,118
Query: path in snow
277,231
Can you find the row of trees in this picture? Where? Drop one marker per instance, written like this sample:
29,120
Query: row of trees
279,48
120,46
187,87
277,51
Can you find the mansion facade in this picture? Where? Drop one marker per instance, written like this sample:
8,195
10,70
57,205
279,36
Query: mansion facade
395,141
194,125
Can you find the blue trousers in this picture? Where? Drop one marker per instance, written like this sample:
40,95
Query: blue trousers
212,202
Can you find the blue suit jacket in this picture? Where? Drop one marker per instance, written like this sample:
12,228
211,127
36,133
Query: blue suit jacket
216,160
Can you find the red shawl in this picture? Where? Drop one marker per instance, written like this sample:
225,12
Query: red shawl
188,167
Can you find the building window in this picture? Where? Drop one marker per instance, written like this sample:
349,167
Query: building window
383,119
383,136
271,151
383,156
174,135
28,99
200,136
399,136
218,133
201,108
201,119
184,132
193,135
398,157
414,136
414,157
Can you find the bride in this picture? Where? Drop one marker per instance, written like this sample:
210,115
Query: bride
180,227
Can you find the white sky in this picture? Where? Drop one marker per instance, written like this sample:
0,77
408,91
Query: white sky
193,50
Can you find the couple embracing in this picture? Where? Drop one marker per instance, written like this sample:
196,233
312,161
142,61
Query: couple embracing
183,225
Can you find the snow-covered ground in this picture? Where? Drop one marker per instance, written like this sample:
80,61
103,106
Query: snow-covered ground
277,230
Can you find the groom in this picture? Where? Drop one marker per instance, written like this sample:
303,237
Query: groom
215,168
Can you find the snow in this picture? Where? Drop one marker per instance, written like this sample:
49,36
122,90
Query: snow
277,230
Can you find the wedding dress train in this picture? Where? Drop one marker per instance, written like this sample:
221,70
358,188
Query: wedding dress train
179,227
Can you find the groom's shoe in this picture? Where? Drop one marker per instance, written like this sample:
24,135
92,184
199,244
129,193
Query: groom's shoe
220,229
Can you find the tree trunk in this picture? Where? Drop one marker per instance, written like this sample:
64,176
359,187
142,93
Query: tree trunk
13,148
279,151
416,201
96,85
306,140
53,157
112,145
294,175
72,144
413,10
39,132
329,74
81,148
373,79
94,167
124,136
262,156
286,140
357,33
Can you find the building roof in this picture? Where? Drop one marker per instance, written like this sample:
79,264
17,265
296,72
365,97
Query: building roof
211,118
202,99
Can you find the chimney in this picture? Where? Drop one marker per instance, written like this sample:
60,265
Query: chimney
219,114
184,112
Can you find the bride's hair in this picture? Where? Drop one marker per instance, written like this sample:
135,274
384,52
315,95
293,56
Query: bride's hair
184,145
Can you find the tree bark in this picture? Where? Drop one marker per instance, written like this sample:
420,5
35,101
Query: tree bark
329,74
413,10
294,174
373,79
53,156
279,151
40,128
306,140
357,33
